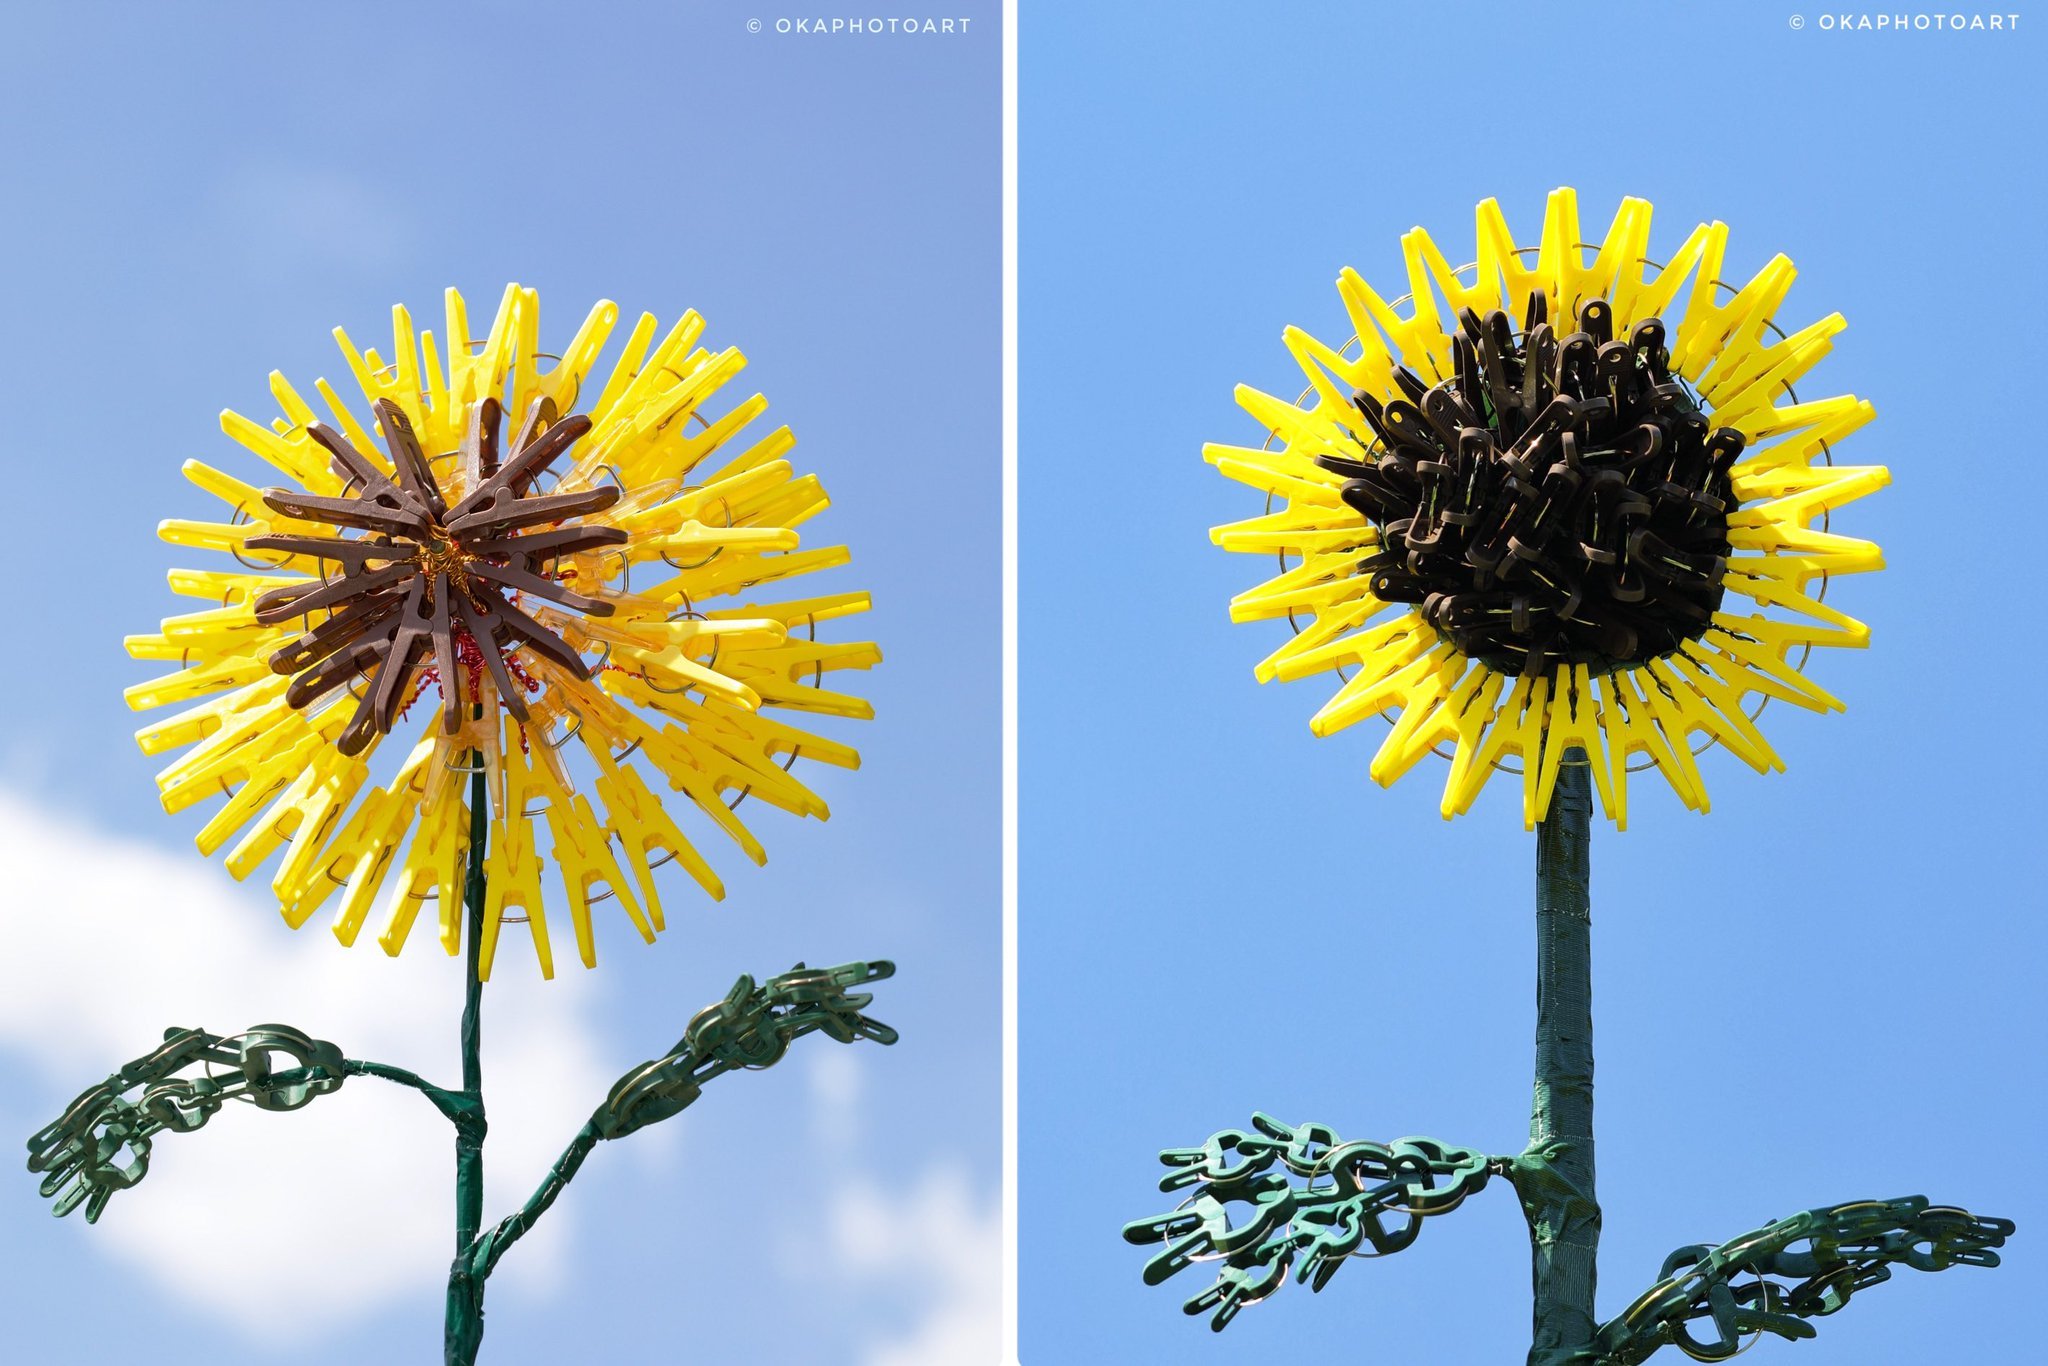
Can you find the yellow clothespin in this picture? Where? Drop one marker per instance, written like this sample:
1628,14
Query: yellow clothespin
1631,730
1471,712
1517,730
368,843
642,826
434,868
1574,722
1430,715
512,870
582,851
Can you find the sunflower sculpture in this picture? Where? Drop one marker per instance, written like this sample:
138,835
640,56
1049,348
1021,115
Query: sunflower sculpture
596,586
1525,519
1557,520
547,607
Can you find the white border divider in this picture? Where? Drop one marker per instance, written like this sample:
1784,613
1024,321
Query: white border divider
1010,1259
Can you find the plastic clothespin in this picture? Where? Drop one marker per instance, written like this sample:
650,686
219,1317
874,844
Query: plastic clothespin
314,803
1707,703
1749,667
512,867
1211,1163
582,853
369,841
433,870
643,826
303,812
1518,730
1573,723
662,649
262,781
1443,708
1631,730
1390,663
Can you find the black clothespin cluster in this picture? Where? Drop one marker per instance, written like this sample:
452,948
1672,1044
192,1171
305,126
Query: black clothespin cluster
1556,500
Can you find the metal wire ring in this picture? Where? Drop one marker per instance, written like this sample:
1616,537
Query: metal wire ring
389,370
473,346
668,692
1331,1157
240,517
1205,1256
702,421
567,735
1758,1336
625,574
687,612
206,1067
668,856
716,551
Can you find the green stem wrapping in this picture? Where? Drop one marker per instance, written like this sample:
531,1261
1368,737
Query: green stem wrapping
452,1104
512,1227
1554,1176
464,1328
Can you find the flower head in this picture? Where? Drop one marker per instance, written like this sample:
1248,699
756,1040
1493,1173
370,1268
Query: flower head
1521,513
467,576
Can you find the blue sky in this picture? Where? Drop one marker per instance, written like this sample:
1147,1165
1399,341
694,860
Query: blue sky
195,196
1827,989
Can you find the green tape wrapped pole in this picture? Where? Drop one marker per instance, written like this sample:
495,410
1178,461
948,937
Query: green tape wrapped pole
1554,1175
464,1330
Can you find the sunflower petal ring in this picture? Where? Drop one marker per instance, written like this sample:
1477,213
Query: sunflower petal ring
1522,512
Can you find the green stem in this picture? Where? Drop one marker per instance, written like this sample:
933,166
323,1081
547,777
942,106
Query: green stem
508,1231
1554,1176
455,1105
464,1328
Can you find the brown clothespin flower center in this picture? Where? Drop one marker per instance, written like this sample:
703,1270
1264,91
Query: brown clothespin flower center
422,584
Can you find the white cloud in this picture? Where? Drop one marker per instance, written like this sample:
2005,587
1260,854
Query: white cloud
938,1235
925,1263
834,1080
110,941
